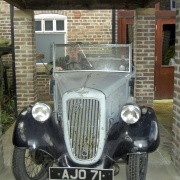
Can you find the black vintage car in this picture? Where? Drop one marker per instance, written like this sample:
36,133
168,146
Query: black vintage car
95,121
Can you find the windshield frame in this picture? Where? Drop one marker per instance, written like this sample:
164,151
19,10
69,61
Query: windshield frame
80,45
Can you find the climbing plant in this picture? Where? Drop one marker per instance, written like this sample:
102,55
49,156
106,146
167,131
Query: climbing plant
7,113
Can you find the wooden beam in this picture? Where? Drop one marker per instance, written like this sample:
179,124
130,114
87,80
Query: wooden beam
166,14
81,4
17,3
151,3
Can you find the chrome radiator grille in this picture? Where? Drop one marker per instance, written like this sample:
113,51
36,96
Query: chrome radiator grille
83,124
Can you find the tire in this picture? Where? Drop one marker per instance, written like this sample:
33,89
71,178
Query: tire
30,164
136,168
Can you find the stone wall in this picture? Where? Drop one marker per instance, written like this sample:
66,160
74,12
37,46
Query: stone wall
144,54
176,109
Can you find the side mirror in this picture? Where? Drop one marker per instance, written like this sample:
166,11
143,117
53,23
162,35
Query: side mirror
51,86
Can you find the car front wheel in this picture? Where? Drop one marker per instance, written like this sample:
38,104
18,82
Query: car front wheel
136,168
30,164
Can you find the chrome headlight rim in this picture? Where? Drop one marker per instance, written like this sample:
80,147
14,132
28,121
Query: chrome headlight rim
130,114
41,111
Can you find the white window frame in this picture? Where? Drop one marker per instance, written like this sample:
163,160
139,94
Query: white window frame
51,17
54,18
171,5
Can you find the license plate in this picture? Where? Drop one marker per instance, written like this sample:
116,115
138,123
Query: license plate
59,173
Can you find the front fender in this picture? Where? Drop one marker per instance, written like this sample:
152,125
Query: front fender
47,136
142,136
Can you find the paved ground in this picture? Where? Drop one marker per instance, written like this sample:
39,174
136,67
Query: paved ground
160,166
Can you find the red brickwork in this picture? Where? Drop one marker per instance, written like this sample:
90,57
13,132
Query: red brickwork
176,124
144,53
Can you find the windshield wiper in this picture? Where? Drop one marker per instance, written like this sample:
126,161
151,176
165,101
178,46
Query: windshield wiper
78,43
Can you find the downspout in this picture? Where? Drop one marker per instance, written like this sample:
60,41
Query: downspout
113,26
13,58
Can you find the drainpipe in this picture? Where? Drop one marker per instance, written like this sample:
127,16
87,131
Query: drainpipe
13,57
113,26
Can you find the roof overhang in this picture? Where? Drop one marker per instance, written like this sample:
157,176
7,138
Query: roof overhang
81,4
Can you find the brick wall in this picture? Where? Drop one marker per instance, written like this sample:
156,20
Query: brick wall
165,5
5,30
43,87
4,33
94,26
24,51
176,109
144,53
25,58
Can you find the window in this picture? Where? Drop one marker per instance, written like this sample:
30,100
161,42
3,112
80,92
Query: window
49,29
38,25
50,23
173,5
59,25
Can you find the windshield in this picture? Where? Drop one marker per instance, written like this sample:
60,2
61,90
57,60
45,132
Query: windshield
88,57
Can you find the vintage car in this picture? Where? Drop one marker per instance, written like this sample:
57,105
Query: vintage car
94,124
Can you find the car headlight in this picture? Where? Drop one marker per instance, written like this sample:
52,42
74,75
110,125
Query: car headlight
130,114
41,111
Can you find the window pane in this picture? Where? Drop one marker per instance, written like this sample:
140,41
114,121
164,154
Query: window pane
48,25
173,4
59,25
129,33
168,44
38,26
